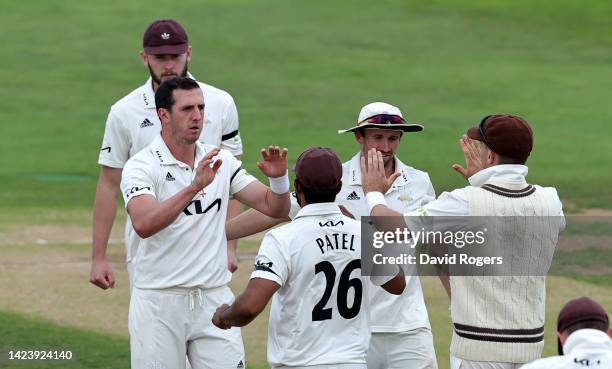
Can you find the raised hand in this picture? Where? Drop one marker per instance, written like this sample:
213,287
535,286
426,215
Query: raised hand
373,177
204,172
274,163
473,159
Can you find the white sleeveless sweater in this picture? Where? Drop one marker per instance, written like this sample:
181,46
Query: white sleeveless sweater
501,318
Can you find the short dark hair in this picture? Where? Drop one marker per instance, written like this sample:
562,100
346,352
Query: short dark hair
587,324
163,95
314,196
503,159
509,160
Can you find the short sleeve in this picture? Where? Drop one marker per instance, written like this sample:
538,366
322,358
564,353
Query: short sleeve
239,177
382,279
136,180
230,135
270,262
449,204
115,148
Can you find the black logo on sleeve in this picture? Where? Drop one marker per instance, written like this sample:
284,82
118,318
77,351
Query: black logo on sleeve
331,223
261,263
107,148
146,123
169,177
353,196
266,267
195,207
133,190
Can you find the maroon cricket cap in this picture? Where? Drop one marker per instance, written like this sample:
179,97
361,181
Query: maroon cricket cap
579,310
505,134
165,36
319,168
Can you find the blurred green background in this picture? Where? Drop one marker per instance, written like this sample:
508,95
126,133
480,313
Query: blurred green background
300,70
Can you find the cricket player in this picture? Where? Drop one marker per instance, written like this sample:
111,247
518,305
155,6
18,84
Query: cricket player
498,320
133,123
401,332
176,191
584,338
311,268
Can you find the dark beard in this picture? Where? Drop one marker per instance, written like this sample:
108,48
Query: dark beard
157,80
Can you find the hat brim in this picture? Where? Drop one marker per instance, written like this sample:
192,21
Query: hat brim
166,49
391,127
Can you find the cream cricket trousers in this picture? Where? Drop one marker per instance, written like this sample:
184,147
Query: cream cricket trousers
165,325
403,350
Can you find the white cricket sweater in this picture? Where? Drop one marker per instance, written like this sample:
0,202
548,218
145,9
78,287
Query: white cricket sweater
501,318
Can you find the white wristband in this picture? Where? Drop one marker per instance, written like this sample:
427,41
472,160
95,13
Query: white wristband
373,199
280,185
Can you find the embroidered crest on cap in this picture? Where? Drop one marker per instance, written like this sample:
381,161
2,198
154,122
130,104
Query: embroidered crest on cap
165,36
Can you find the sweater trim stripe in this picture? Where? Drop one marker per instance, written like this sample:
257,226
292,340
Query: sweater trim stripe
512,332
509,193
510,339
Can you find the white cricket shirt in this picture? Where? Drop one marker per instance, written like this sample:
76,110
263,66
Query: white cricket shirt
132,124
583,349
192,251
455,203
319,315
411,190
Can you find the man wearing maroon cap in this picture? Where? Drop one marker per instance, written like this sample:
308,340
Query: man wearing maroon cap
399,324
133,123
310,268
583,331
498,320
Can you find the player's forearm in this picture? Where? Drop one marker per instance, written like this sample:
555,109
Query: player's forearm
384,211
234,209
396,285
155,216
240,313
276,205
105,209
249,223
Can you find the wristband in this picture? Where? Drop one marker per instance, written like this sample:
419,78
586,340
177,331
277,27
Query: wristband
280,185
373,199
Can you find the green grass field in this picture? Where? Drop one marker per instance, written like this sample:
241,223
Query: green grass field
299,71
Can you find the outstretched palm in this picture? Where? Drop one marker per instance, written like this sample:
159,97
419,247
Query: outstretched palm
471,154
373,176
204,172
274,162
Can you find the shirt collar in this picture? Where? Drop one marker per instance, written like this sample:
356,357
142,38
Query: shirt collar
165,157
506,173
354,170
148,95
587,339
322,208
